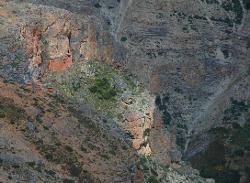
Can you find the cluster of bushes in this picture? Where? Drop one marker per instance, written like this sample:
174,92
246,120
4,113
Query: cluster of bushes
234,6
234,133
234,142
123,39
246,4
152,170
2,115
212,164
103,89
64,154
161,104
223,20
211,1
235,110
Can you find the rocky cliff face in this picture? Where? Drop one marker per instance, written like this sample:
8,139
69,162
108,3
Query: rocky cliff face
161,75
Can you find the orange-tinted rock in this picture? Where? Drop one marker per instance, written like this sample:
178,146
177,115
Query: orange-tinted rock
29,85
32,38
139,126
60,64
35,86
132,117
50,90
139,176
89,45
136,144
38,91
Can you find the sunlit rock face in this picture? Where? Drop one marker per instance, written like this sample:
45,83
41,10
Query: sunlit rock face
171,68
55,38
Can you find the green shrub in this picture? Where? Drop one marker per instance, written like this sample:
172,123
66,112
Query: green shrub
97,5
68,181
246,4
31,164
166,117
10,110
39,119
212,2
158,100
161,104
152,179
223,20
219,131
51,172
75,170
103,89
49,157
2,115
234,6
68,148
105,156
199,17
123,39
180,141
86,177
225,53
143,159
237,8
235,110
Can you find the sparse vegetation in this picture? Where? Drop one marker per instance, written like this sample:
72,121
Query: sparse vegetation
234,6
153,170
10,110
123,39
68,181
74,170
88,123
212,164
246,4
180,141
236,109
105,156
68,148
161,104
97,5
225,53
210,1
199,17
39,119
223,20
103,89
2,115
152,179
233,141
51,172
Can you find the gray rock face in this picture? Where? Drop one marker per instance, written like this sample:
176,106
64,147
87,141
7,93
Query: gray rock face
193,52
191,56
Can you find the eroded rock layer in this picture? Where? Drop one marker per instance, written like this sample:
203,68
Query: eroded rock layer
170,78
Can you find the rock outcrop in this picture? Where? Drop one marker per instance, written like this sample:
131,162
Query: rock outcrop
159,74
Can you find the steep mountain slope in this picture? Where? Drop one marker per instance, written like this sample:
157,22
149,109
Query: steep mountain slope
44,139
161,75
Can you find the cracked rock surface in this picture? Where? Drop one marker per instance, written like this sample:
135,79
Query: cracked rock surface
162,87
